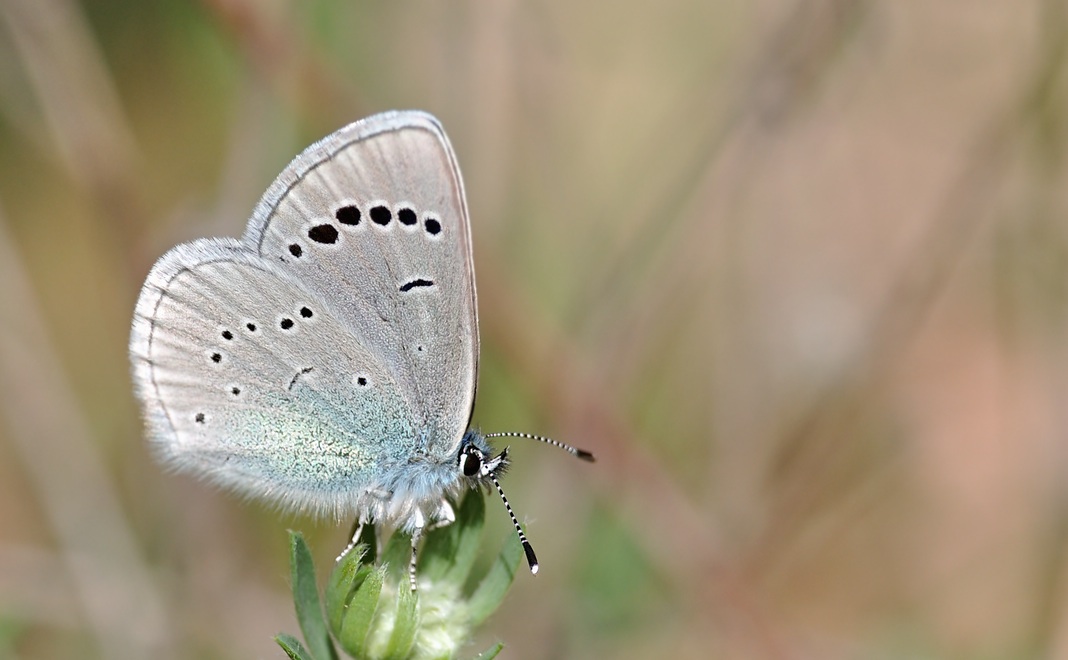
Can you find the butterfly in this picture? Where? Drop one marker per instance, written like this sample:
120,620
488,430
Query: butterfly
327,361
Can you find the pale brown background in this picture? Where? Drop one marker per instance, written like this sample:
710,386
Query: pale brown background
795,270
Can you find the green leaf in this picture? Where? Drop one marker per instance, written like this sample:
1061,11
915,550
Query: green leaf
490,653
292,646
360,614
346,578
405,626
306,599
450,551
490,592
373,613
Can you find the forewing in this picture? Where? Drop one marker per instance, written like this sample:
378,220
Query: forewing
373,218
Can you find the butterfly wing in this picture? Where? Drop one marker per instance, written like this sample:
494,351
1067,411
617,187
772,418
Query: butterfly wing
374,219
331,346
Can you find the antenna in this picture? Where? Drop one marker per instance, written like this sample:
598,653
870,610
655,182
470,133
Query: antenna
532,559
488,468
574,451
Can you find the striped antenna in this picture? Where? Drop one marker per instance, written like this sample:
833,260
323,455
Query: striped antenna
574,451
532,559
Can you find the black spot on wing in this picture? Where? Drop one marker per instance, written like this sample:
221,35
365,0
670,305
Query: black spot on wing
381,215
297,376
348,215
411,284
324,233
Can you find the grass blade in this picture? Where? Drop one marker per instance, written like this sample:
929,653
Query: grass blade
346,577
360,614
490,653
306,599
292,646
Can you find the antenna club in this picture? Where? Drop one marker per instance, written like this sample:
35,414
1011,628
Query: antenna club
532,559
574,451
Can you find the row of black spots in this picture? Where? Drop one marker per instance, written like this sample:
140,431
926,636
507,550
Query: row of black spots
218,357
381,215
285,323
235,390
350,215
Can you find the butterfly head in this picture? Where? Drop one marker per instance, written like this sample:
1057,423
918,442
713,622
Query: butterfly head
479,466
477,462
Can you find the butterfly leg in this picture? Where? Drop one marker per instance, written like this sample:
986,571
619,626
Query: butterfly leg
357,529
417,533
442,517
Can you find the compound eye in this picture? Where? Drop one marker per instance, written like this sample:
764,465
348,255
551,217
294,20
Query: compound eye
470,463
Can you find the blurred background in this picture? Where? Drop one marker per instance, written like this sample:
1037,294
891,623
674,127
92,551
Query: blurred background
794,269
